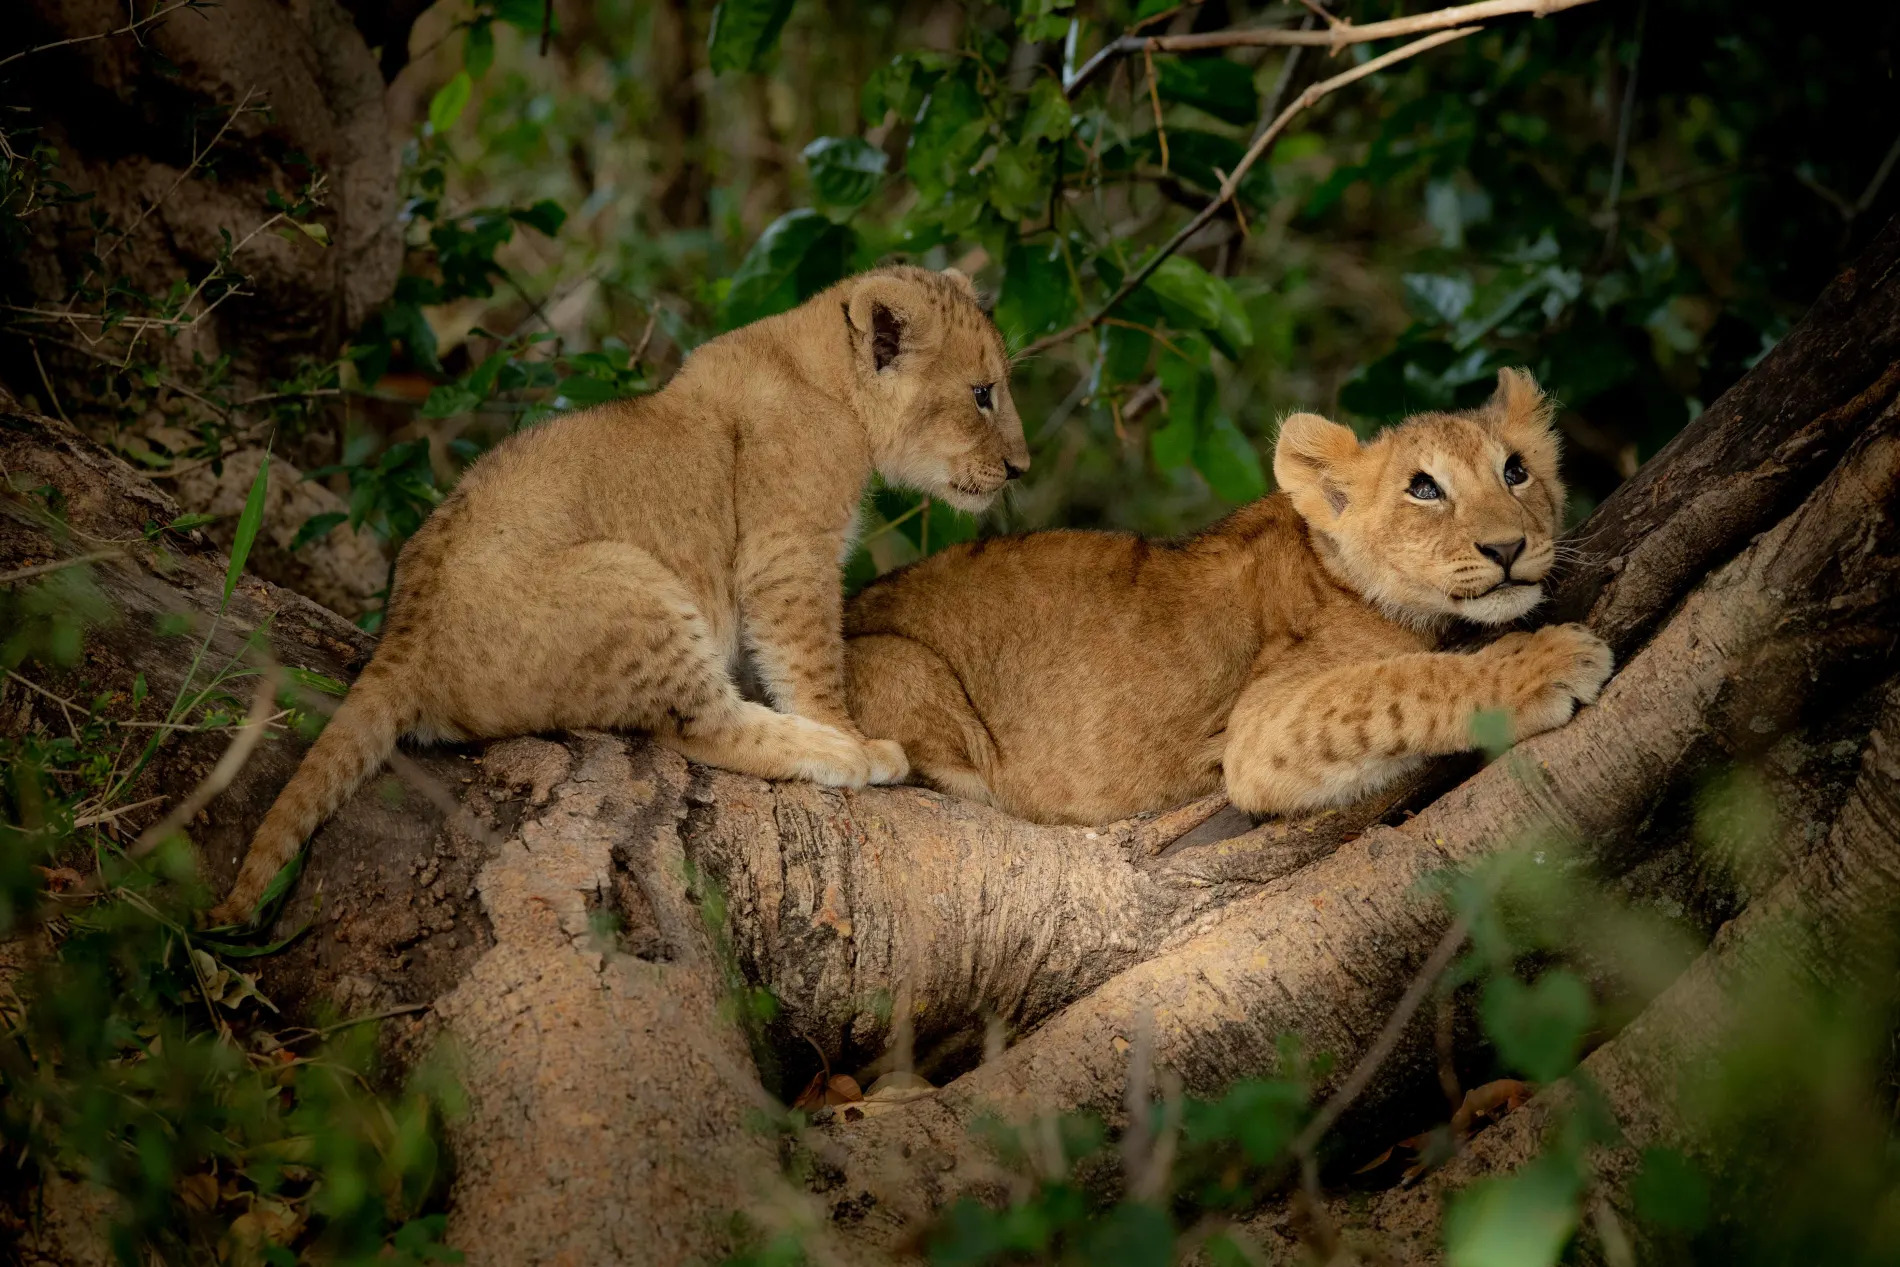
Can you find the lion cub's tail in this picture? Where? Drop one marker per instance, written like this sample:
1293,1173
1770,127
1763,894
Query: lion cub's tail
360,737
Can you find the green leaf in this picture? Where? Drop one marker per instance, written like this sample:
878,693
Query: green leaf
316,681
1037,296
1222,88
1187,379
449,400
1125,353
1040,20
1434,297
1228,460
1196,298
185,523
1019,181
545,216
478,47
845,170
898,85
948,135
1521,1221
799,254
744,32
584,389
449,102
1049,117
1492,732
248,523
1260,1114
1173,445
1132,1235
1537,1028
274,891
237,950
315,232
315,528
525,16
1670,1192
1204,158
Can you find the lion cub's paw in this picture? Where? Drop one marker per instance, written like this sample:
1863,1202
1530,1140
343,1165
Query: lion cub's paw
829,757
888,762
1551,673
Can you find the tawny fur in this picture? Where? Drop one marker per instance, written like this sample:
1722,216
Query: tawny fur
609,569
1289,652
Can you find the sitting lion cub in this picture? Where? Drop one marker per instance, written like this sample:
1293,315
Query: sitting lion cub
604,569
1078,677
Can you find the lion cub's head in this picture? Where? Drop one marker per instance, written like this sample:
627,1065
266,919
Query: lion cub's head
1443,515
933,379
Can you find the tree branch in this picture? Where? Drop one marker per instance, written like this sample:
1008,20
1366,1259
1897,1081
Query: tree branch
1262,143
128,29
1339,34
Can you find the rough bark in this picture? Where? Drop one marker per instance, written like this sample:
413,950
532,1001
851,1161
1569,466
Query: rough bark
291,94
887,917
1827,927
1326,952
128,117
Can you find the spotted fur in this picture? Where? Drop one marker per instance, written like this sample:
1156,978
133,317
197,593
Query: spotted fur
611,568
1289,652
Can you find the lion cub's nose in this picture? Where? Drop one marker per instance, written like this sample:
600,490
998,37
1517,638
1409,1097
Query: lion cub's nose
1016,472
1502,553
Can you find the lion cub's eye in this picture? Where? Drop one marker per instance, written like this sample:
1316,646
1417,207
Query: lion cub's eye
1425,488
1514,472
982,395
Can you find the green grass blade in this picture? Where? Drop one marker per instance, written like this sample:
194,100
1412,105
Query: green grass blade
248,523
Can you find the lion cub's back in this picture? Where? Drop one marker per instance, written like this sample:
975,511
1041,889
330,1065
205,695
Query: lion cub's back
1101,665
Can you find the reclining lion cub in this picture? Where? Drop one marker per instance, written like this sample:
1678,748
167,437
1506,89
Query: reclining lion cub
604,569
1078,677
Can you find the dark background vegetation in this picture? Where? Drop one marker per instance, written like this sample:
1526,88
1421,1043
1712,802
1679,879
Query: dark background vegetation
1634,198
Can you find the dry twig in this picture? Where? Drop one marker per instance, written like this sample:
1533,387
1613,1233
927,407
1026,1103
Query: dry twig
129,28
1231,185
235,755
1338,35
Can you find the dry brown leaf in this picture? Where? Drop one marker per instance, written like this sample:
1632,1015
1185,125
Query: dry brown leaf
198,1191
267,1222
1376,1162
899,1079
842,1089
59,879
1491,1101
813,1096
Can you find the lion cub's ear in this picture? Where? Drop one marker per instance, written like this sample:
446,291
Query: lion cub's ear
1524,418
881,316
1310,462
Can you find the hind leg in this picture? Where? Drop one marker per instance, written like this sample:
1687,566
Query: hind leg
603,636
900,689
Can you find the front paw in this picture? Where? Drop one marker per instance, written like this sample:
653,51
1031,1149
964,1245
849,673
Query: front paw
888,762
1551,673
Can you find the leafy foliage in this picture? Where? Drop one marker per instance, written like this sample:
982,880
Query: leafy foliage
1635,201
147,1061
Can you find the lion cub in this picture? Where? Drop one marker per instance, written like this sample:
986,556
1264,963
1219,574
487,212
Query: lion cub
1290,650
609,568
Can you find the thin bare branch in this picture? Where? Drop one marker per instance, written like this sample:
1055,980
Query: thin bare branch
198,156
235,755
128,29
1338,35
1231,185
41,569
1361,1076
